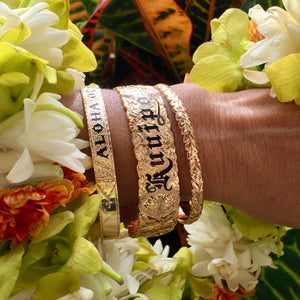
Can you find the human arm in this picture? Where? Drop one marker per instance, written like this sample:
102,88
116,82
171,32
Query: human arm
248,146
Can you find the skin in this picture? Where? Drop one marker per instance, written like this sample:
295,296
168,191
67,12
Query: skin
248,143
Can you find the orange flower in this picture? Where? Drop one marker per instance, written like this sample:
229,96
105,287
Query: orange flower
79,182
225,294
24,211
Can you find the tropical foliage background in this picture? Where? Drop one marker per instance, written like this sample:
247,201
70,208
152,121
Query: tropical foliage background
132,45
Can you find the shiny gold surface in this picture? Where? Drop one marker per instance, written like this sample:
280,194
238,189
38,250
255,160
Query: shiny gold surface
157,168
189,141
103,161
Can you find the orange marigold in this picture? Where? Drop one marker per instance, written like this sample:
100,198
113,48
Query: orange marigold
24,211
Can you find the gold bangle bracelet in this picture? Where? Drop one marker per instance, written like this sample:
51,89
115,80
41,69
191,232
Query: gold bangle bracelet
157,168
189,140
103,161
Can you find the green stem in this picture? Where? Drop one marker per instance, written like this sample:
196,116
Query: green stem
103,283
108,271
24,3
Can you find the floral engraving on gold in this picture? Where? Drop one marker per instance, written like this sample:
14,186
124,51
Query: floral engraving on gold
189,140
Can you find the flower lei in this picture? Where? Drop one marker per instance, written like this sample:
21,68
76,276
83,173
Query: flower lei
48,209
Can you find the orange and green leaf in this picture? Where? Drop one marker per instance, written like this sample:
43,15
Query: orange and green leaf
170,30
90,26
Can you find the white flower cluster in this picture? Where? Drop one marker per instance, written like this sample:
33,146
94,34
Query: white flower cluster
281,31
220,250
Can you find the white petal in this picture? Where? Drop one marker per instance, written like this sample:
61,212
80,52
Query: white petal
8,159
22,295
258,53
43,19
258,14
247,281
79,78
45,147
81,294
5,10
229,254
22,169
28,14
10,22
244,259
133,284
81,144
29,107
256,76
200,269
293,8
49,98
233,283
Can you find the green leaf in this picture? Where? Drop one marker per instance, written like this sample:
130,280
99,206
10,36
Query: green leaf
101,47
282,283
264,3
55,285
122,18
89,5
9,270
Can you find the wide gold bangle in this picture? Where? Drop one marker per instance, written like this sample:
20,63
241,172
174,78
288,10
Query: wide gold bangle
189,140
103,161
157,169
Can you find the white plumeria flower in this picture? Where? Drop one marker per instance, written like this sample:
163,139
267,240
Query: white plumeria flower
44,41
220,251
33,137
281,31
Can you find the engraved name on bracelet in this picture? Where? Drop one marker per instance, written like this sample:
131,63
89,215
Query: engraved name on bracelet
157,168
159,179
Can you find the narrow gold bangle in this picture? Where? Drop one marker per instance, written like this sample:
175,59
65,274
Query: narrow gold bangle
103,161
157,169
189,140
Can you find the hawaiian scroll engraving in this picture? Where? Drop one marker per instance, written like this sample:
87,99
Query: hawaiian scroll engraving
157,162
